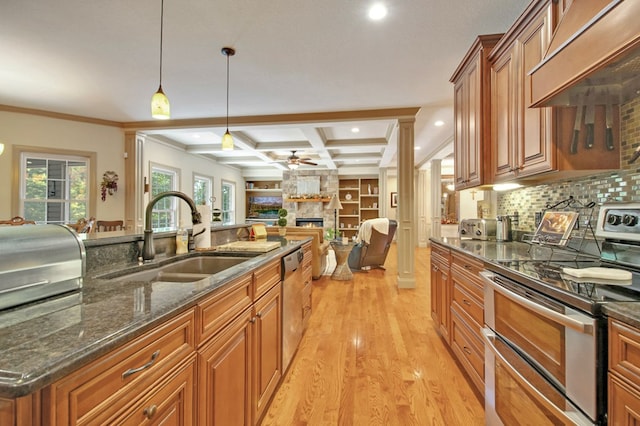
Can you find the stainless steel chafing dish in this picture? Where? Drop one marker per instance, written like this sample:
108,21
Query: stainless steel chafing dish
39,261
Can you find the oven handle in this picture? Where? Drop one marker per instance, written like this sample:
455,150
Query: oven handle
565,320
488,335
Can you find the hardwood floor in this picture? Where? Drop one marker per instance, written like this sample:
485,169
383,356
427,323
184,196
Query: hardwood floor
371,356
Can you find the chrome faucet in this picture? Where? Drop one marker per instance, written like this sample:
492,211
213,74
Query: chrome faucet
148,251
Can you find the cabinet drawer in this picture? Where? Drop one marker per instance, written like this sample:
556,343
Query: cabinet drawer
306,304
441,253
468,349
467,271
468,306
624,402
222,307
306,261
266,277
624,350
170,402
105,386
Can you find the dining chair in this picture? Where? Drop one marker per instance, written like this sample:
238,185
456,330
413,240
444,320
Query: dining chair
109,225
15,221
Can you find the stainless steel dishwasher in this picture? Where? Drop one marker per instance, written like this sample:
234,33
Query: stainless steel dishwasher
292,305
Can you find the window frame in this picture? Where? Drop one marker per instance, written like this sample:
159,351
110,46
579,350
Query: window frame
19,151
209,196
229,215
174,205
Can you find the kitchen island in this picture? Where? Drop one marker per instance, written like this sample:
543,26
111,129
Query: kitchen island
43,348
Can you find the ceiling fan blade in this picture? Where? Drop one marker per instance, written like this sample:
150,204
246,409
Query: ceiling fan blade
303,161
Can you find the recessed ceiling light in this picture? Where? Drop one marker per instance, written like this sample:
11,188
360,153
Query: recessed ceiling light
377,12
439,123
355,129
196,136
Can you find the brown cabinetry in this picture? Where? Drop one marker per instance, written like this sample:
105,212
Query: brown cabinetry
440,290
624,374
241,365
529,143
307,278
467,316
155,370
471,113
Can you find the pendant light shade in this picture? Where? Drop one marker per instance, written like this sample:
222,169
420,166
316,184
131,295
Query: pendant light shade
227,140
160,108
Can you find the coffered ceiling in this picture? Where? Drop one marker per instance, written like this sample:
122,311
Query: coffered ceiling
312,59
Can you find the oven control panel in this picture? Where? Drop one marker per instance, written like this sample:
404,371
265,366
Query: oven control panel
619,221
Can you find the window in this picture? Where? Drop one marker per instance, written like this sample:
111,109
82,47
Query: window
228,203
54,188
202,189
164,215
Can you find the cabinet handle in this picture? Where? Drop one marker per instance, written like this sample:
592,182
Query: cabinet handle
467,266
131,371
467,350
466,302
435,268
252,320
150,411
259,314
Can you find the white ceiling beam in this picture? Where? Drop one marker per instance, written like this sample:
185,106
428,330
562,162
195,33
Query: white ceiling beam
318,141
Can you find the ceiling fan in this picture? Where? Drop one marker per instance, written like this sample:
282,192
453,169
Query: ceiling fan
293,161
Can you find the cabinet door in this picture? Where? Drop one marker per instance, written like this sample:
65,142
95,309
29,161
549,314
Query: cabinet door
474,124
224,376
503,116
268,348
536,153
624,403
460,136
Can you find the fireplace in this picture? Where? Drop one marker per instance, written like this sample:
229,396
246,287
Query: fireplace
311,222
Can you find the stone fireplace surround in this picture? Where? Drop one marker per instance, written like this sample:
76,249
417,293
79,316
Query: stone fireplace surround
309,209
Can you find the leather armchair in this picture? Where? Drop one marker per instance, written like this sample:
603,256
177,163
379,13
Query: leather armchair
372,253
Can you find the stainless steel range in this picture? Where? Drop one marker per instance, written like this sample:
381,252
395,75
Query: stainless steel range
545,334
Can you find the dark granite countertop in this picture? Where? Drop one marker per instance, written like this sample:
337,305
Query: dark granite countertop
37,348
492,251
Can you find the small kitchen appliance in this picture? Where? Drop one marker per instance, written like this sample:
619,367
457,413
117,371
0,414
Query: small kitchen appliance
477,229
39,261
503,228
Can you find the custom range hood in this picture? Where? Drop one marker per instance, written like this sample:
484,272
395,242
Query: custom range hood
595,49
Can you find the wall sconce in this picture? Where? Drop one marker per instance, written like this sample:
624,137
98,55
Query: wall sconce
1,148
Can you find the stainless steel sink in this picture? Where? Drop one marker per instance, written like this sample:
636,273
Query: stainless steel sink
184,271
203,265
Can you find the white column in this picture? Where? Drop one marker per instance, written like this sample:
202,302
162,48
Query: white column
422,204
406,211
436,198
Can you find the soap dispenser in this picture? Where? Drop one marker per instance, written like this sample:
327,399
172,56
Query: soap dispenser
182,240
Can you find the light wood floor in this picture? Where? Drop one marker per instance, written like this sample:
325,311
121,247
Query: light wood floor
371,356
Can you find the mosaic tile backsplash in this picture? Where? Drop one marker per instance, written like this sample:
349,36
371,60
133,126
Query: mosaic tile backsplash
620,185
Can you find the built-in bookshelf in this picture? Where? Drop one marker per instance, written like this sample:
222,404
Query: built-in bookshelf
360,201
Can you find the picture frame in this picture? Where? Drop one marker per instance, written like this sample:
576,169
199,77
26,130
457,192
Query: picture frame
394,199
555,227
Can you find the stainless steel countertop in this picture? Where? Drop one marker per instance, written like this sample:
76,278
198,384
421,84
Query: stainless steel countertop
38,350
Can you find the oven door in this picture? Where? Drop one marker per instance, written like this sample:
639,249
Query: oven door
559,343
519,394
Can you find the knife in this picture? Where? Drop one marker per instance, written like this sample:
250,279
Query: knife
576,127
635,155
608,135
589,118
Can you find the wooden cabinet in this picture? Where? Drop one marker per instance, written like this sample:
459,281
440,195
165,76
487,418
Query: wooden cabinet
440,290
224,375
240,366
529,143
467,316
471,113
128,381
360,201
624,374
267,349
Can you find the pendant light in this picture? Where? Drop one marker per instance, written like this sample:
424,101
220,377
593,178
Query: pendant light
159,102
227,140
